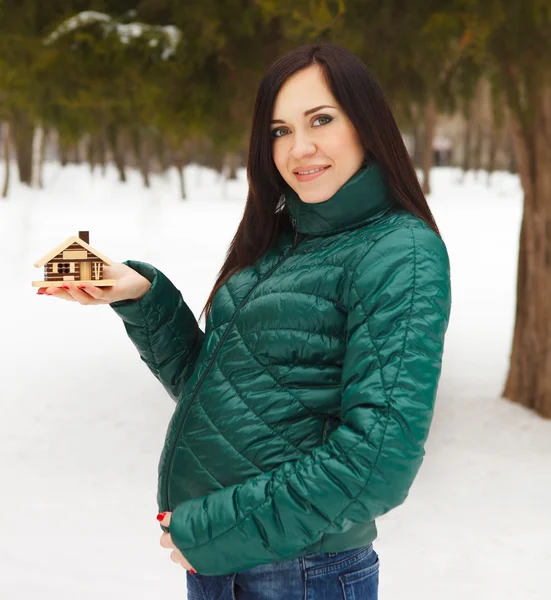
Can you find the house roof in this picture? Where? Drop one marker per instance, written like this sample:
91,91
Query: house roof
71,240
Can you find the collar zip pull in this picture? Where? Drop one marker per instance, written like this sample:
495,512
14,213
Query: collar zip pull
295,240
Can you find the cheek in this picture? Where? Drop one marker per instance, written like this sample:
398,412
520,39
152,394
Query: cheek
341,144
280,156
355,144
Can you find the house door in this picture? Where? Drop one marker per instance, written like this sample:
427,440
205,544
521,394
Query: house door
85,271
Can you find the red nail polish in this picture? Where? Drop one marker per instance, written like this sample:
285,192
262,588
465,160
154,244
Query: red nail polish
161,516
40,292
192,571
81,287
65,287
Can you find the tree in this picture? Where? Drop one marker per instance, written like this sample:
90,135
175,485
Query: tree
22,27
513,41
410,48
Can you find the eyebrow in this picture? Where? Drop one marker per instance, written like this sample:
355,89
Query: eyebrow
308,112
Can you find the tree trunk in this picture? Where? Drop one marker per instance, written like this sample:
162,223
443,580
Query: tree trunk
7,156
36,160
97,152
512,161
492,151
63,152
161,152
102,151
179,164
117,143
529,381
92,154
467,142
43,148
145,158
22,136
477,150
418,149
180,159
428,155
232,164
81,149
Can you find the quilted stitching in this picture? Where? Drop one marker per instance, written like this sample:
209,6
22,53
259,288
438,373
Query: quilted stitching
279,434
376,308
334,302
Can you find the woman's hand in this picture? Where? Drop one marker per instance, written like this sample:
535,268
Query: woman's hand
166,542
130,285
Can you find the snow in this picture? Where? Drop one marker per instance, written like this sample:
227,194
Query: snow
81,19
83,420
170,34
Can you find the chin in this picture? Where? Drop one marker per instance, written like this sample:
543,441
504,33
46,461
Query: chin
314,198
321,195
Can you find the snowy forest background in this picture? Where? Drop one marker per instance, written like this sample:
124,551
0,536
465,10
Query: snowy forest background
130,119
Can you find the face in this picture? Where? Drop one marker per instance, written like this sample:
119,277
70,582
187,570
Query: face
304,139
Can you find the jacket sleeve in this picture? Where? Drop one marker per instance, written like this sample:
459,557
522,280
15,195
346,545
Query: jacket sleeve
398,303
163,329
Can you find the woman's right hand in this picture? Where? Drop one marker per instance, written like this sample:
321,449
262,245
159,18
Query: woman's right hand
130,285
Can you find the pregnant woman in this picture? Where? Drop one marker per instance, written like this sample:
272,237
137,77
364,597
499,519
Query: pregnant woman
303,408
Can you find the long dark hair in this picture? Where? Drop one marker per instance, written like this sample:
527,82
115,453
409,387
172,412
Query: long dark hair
362,99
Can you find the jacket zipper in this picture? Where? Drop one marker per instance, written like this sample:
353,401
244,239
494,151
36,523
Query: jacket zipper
324,431
294,221
211,362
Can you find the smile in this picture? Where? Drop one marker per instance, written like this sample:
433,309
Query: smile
312,174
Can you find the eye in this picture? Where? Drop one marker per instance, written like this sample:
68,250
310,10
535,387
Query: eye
274,132
324,117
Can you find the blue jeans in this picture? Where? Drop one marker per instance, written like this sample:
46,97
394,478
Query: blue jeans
349,575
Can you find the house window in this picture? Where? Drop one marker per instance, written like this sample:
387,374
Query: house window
63,268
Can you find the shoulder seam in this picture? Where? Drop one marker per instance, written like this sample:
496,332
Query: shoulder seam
388,396
353,271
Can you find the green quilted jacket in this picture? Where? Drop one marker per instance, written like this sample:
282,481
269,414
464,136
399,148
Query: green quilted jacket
303,408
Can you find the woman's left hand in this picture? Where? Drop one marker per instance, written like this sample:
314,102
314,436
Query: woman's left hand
166,542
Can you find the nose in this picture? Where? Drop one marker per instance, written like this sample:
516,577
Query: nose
302,146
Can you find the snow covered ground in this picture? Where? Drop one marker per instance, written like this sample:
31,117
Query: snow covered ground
82,421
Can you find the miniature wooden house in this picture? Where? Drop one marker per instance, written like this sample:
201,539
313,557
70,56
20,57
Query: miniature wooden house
73,260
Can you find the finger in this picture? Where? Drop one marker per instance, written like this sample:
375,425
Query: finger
166,518
78,295
92,291
58,293
166,541
177,557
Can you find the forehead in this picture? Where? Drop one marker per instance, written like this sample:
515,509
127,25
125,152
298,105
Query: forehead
302,91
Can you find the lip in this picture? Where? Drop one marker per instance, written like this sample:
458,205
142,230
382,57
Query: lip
308,168
312,176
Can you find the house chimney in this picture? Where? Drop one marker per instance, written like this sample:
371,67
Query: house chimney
84,236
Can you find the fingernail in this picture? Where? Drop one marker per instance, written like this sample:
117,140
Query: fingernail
65,287
161,516
192,571
81,287
40,292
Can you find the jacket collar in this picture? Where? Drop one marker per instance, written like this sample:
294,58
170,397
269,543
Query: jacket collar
362,197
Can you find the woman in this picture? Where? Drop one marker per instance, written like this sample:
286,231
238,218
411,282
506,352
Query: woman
303,409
